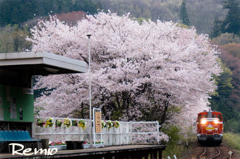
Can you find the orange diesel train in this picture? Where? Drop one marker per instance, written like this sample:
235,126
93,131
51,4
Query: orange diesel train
210,127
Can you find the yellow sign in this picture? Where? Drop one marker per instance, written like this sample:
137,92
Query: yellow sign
210,127
98,124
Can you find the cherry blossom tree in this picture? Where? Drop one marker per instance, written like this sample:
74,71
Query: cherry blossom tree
139,72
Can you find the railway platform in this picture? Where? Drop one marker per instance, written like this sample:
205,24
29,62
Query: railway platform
116,152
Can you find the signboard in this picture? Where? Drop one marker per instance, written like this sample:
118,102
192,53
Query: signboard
13,102
0,101
98,125
1,113
13,114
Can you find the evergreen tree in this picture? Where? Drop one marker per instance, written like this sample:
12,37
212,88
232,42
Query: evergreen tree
216,31
18,11
183,14
220,101
231,24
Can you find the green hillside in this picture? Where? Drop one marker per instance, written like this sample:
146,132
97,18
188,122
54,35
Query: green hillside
201,12
19,11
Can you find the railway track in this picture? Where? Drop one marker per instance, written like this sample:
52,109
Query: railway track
205,149
208,155
217,154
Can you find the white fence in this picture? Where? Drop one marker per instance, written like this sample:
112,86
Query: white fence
127,133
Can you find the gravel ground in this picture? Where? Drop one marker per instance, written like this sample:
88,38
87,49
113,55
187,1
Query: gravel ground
196,149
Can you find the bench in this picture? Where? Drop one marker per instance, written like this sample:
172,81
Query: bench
22,137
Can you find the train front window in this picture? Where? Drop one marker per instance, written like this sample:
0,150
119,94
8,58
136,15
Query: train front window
220,117
199,117
202,116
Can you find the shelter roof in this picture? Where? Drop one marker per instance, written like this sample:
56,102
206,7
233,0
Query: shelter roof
26,64
40,63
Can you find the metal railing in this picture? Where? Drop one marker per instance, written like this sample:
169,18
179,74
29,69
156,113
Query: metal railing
126,133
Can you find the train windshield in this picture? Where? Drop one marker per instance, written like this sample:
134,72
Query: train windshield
217,116
200,116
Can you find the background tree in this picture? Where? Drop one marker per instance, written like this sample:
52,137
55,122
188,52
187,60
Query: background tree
226,38
231,24
220,101
12,39
232,48
201,13
16,11
227,99
19,11
71,18
183,14
216,30
231,108
6,40
234,64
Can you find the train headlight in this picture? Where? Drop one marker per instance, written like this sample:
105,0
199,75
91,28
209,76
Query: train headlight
215,121
203,121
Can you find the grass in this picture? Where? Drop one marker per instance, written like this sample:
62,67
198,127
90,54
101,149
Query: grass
179,150
232,140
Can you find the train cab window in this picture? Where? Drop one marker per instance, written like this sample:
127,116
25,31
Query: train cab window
199,117
214,116
219,117
202,116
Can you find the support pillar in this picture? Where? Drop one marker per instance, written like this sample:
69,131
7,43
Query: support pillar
154,154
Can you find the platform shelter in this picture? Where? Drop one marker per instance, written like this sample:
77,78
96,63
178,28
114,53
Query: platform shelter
16,84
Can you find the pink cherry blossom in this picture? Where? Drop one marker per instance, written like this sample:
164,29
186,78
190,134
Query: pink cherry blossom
135,68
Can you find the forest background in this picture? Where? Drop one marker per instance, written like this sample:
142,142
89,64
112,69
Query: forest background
220,19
